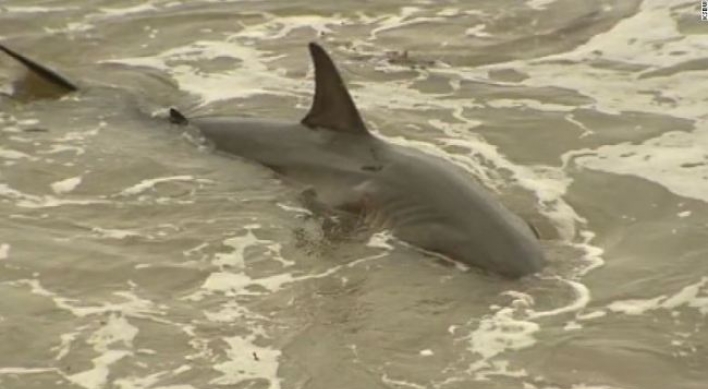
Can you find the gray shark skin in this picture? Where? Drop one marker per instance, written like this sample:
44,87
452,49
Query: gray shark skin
424,200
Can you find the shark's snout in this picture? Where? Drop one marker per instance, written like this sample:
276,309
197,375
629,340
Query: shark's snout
522,264
510,253
520,257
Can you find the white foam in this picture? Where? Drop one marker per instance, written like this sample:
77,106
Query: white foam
247,361
294,209
148,184
25,200
114,233
589,386
147,382
381,240
253,77
61,148
196,249
140,8
24,370
236,284
97,377
581,300
530,103
10,129
236,281
51,202
182,369
32,9
592,315
399,383
274,249
239,244
13,154
675,160
692,296
116,331
636,307
4,251
631,41
539,4
112,339
28,122
21,139
173,387
80,136
404,18
67,340
132,305
234,312
592,257
67,185
478,31
240,284
497,333
73,27
280,27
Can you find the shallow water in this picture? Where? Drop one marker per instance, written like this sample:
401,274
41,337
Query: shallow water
133,258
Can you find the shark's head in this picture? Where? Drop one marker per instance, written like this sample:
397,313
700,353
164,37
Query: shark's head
446,211
496,239
509,250
505,247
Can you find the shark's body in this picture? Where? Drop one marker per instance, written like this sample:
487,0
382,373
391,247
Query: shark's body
424,200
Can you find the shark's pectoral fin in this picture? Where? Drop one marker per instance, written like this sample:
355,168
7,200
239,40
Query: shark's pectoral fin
336,223
332,107
40,81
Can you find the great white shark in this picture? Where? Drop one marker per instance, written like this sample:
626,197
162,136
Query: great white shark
422,199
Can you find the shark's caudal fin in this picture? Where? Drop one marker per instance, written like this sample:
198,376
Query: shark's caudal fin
332,107
58,85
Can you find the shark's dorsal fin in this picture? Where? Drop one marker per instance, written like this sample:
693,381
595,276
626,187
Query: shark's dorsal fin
59,83
332,107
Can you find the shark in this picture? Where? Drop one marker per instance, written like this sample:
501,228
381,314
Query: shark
348,170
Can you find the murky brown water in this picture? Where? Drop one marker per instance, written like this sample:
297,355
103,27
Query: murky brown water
131,258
